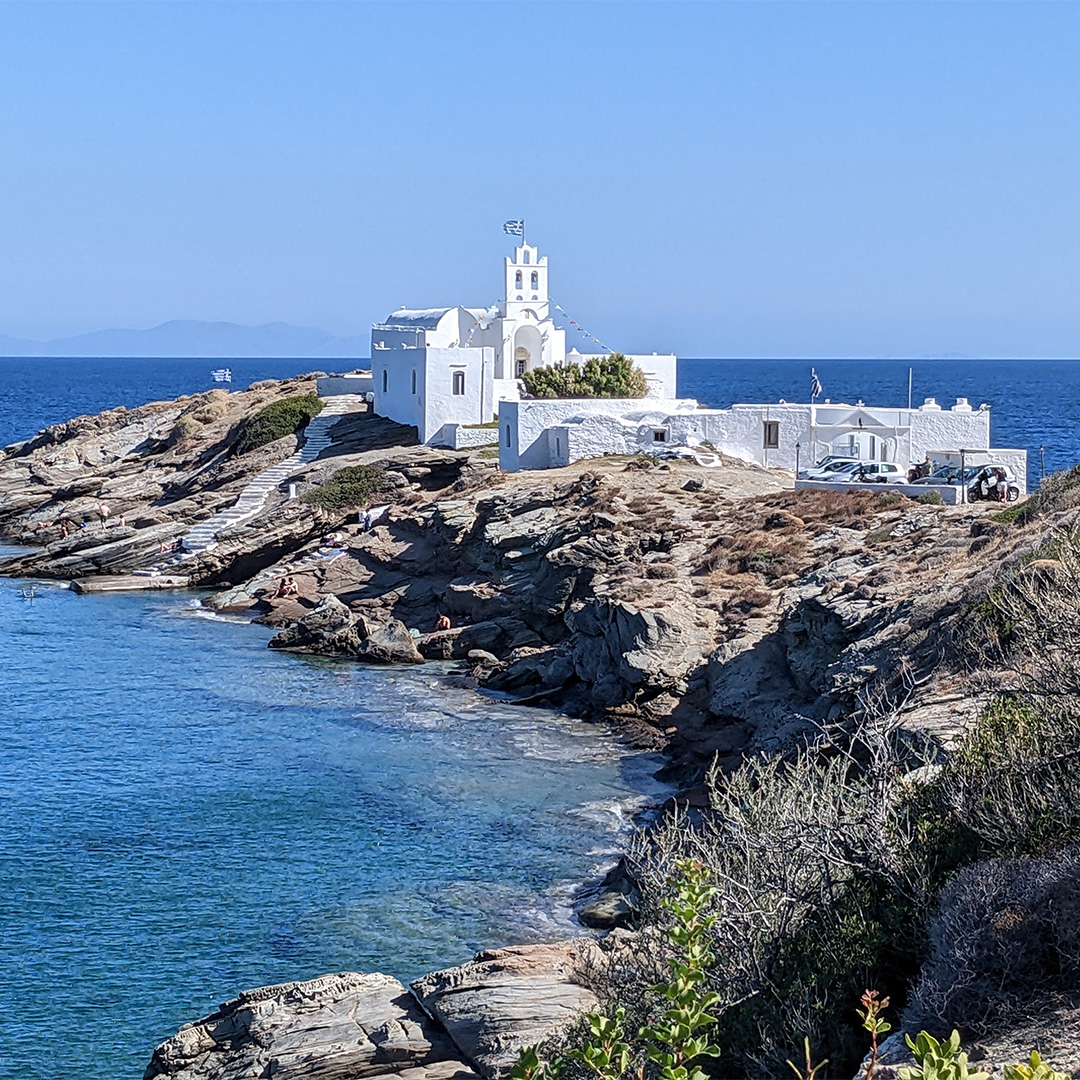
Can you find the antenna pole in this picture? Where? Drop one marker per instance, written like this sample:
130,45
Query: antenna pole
909,388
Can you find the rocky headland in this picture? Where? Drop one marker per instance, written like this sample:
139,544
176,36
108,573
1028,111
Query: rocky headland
712,613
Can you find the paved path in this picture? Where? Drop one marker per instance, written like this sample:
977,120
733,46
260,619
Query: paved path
203,536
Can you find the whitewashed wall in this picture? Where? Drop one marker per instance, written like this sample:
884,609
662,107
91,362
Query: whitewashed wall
441,405
392,375
950,494
524,441
353,383
463,438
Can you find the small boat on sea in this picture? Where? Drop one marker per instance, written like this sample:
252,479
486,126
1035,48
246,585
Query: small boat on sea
221,375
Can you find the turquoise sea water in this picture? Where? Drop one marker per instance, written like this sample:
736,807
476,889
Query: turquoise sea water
184,814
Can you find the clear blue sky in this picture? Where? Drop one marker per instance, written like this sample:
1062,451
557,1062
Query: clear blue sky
761,179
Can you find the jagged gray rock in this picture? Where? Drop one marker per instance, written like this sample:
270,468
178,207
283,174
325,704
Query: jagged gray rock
331,629
336,1027
504,999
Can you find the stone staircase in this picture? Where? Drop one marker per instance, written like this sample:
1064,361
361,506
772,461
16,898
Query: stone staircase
252,499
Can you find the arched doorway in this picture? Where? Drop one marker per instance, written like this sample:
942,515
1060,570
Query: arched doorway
527,352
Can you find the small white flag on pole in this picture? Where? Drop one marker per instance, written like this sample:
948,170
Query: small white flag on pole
815,385
514,228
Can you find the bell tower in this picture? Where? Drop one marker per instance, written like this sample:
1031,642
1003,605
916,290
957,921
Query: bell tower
527,284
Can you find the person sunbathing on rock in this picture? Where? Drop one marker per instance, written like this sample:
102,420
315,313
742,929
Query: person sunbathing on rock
287,587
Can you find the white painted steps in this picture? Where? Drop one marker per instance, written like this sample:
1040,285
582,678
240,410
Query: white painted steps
252,498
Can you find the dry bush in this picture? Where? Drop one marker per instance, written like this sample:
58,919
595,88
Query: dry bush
214,405
806,855
751,554
662,571
1005,944
185,426
851,509
747,600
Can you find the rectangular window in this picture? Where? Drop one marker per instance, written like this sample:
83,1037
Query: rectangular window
459,383
659,434
414,381
385,377
507,434
772,435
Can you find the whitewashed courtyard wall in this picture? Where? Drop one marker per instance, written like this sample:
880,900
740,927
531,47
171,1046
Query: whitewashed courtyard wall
525,441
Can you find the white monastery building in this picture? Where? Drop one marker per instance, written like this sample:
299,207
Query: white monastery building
445,370
451,372
538,434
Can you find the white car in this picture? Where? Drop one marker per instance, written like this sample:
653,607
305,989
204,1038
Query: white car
827,468
872,472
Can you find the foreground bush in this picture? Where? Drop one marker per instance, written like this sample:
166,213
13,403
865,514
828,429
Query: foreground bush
612,376
672,1040
1005,944
275,421
348,488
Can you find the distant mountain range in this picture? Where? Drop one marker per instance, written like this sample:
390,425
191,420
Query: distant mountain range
190,337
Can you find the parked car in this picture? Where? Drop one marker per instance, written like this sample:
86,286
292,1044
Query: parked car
986,481
824,469
873,472
994,482
947,474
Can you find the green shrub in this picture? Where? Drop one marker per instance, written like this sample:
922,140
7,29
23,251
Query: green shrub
939,1060
275,421
930,498
612,376
347,488
1034,1069
675,1035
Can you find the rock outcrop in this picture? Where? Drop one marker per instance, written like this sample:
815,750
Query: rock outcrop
504,999
337,1027
350,1025
333,630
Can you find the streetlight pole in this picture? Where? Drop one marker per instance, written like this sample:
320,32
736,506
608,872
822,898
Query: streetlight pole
1042,465
963,478
798,448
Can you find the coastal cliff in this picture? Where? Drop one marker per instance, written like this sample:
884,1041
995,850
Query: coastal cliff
713,613
708,611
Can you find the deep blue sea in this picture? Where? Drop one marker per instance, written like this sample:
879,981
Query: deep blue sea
185,814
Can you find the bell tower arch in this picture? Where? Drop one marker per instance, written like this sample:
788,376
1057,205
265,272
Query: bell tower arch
526,282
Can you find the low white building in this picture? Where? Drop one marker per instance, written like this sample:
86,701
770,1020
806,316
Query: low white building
444,369
536,434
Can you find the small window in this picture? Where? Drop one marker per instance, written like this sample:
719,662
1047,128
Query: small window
527,256
414,380
459,383
558,446
535,280
772,435
385,379
517,280
659,434
507,434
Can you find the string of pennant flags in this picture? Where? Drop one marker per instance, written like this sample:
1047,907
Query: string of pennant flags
575,325
492,311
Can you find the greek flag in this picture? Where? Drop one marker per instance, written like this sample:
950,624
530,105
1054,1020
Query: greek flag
815,385
514,228
221,375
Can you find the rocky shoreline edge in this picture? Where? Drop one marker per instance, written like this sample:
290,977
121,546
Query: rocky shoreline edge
711,614
462,1022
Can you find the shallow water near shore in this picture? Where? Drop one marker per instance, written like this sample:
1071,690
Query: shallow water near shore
185,814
